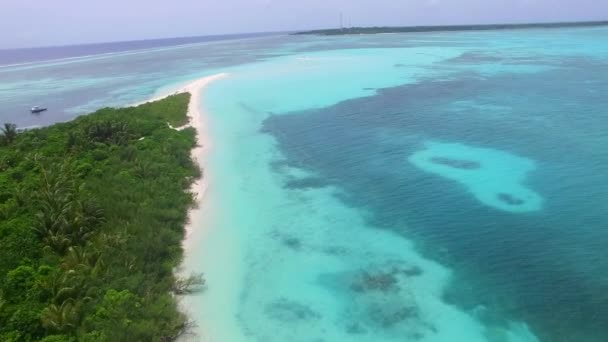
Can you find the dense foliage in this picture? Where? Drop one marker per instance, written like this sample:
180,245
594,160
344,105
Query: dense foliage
91,223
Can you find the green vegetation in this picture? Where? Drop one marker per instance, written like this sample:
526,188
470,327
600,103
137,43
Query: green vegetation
9,132
91,224
404,29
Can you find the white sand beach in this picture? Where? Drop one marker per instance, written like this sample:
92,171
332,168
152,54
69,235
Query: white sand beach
203,143
197,215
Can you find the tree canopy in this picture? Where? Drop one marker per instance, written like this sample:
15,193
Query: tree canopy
91,223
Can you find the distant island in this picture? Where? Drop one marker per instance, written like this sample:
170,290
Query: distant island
405,29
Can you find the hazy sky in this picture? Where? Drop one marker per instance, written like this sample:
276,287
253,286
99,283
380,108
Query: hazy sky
54,22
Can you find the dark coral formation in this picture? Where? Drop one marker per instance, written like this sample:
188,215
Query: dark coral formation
456,163
293,243
510,199
307,183
475,57
379,281
356,328
389,315
380,299
412,271
287,240
288,310
335,250
382,281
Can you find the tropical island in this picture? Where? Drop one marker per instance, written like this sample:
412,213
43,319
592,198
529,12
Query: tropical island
92,216
406,29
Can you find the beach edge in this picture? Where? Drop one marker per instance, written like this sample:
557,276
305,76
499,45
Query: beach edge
197,120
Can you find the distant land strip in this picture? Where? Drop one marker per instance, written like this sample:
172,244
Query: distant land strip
405,29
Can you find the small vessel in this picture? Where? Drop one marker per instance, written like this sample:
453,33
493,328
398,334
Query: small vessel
37,109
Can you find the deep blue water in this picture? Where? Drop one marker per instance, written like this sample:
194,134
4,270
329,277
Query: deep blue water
546,267
36,54
69,87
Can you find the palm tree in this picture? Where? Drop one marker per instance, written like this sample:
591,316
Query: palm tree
56,242
60,318
69,285
2,301
84,217
62,289
84,260
9,132
55,200
65,217
142,169
108,132
51,221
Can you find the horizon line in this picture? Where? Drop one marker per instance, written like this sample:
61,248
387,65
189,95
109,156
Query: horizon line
467,27
574,22
146,40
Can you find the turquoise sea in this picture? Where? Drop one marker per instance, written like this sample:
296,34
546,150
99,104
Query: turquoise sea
445,186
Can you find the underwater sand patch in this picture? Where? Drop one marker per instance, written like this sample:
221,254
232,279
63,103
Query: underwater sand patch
494,177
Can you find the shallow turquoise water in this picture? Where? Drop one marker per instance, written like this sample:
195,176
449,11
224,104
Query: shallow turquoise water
411,187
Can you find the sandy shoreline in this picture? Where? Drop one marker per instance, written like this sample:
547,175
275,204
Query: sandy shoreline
198,154
203,143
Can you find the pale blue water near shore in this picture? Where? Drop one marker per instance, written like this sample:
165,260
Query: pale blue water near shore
411,187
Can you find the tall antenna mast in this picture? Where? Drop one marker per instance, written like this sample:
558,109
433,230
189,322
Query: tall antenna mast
341,21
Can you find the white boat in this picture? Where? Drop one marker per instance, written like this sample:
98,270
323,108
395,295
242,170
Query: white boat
37,109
